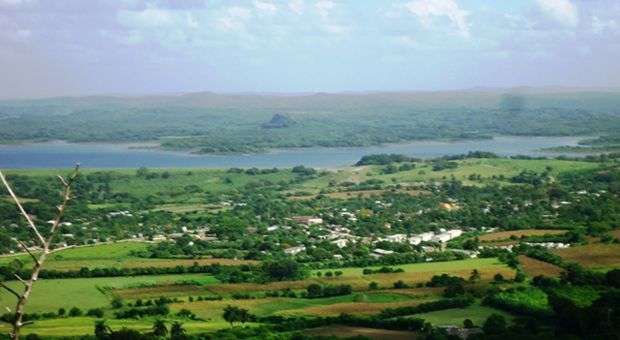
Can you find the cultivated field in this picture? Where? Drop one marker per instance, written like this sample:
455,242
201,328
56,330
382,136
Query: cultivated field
49,295
414,273
372,333
476,313
598,256
534,267
505,235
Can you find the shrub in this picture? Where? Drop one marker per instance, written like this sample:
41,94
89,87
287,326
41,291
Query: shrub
95,312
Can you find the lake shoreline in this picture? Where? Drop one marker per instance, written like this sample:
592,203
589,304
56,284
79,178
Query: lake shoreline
58,154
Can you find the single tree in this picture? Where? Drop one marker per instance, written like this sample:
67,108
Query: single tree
43,241
234,314
177,332
495,324
101,329
474,276
159,328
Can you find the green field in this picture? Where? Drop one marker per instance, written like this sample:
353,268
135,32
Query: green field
172,189
84,326
476,313
111,255
49,295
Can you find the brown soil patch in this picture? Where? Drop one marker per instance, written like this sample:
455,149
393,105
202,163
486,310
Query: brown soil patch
372,333
534,267
595,255
505,235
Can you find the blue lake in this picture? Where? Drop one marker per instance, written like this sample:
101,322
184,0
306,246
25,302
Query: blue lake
94,155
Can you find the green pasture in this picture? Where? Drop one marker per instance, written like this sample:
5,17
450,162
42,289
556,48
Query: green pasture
476,313
85,326
85,293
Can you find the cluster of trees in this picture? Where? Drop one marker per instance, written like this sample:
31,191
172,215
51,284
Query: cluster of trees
158,331
315,290
384,159
215,269
139,312
382,270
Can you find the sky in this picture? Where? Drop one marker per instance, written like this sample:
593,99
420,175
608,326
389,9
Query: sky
83,47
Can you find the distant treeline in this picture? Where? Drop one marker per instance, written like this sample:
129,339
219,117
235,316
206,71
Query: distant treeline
213,269
211,123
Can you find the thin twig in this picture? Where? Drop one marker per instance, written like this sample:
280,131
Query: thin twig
21,208
34,257
22,298
11,290
20,279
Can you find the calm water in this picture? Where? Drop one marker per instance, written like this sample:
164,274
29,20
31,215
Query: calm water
61,154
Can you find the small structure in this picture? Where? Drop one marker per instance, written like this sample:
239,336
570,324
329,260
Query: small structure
396,238
340,243
294,250
307,220
378,252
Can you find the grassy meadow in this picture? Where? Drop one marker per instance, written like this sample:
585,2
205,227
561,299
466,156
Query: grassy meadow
112,255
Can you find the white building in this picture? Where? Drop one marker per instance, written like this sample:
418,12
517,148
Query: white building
381,252
454,233
415,240
427,236
307,220
340,243
443,237
294,250
396,238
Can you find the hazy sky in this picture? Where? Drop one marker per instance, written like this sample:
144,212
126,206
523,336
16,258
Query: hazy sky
58,47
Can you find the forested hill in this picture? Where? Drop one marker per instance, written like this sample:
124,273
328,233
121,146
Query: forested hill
209,122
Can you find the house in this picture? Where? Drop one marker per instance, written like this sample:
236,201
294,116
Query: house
427,236
380,252
454,233
158,238
396,238
460,332
443,237
273,228
340,243
415,240
294,250
338,257
307,220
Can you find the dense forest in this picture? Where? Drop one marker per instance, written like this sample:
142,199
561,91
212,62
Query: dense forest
207,122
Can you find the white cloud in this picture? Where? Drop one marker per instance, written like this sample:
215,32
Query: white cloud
427,10
562,11
405,40
148,18
599,25
324,8
14,3
296,6
265,7
234,19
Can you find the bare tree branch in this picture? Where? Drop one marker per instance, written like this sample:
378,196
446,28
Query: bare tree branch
34,257
21,208
10,290
22,298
